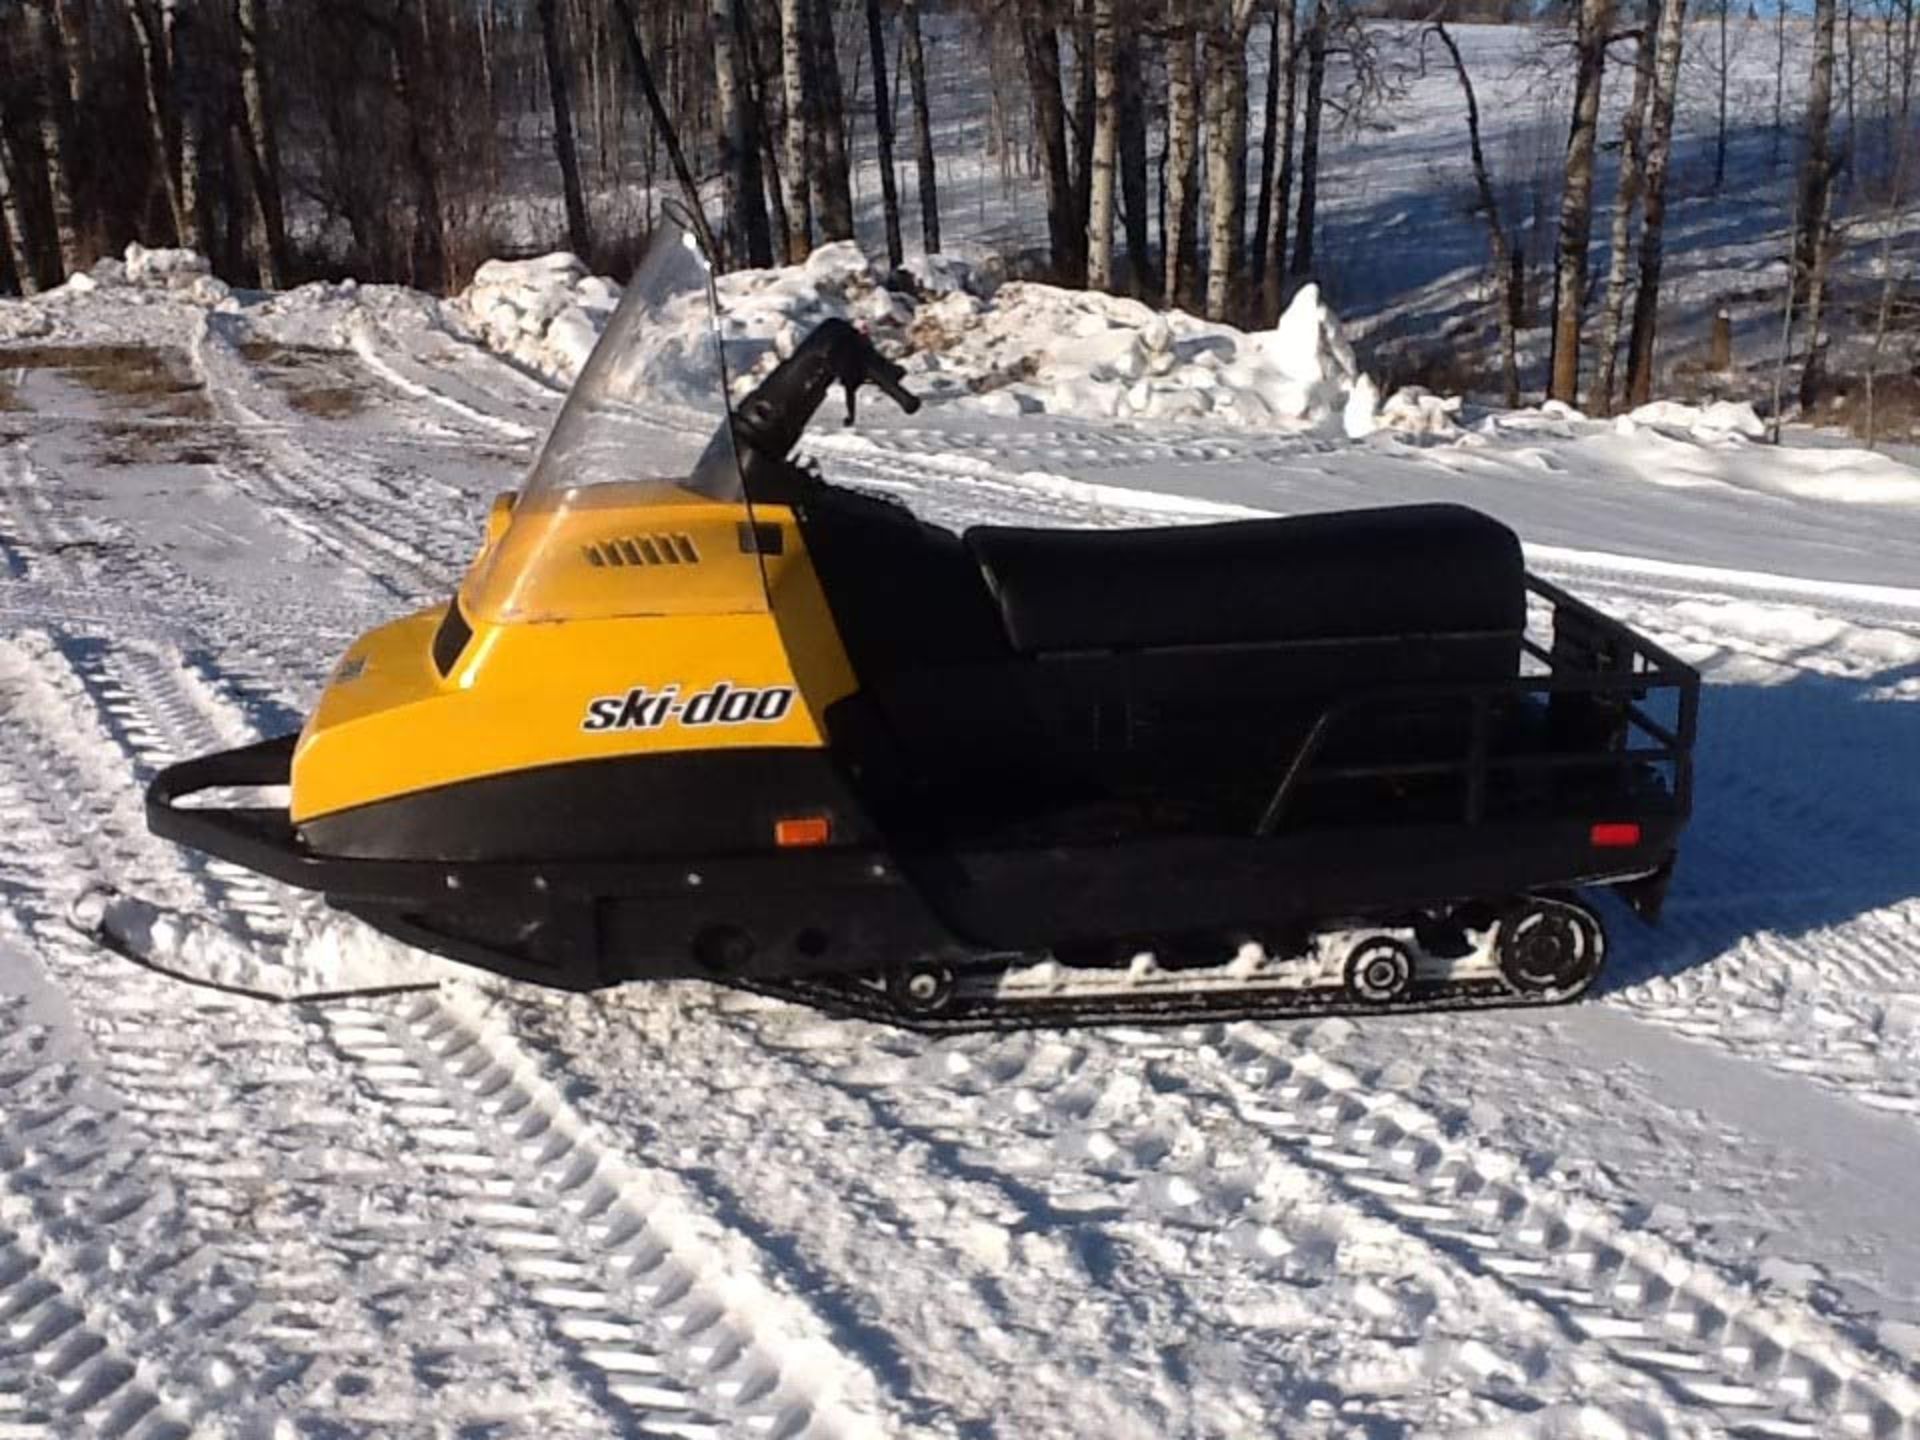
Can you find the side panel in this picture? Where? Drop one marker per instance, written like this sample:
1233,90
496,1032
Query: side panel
521,696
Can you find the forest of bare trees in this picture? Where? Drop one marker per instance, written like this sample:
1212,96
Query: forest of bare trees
1175,146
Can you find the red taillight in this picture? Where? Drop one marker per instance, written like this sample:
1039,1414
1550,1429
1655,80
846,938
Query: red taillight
802,831
1615,835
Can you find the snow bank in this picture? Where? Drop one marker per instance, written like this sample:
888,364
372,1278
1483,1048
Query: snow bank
545,313
1017,348
1721,419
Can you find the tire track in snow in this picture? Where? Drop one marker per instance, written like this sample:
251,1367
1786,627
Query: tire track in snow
1562,1267
61,1370
611,1245
879,1214
1703,1338
1791,934
330,500
147,1055
667,1305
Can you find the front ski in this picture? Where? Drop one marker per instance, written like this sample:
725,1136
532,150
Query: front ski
179,948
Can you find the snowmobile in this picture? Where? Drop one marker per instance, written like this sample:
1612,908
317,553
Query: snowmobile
697,711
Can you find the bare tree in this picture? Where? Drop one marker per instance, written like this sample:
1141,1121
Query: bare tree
1106,148
578,236
1816,169
1068,240
261,146
1316,53
159,125
57,150
664,127
737,142
1496,231
883,129
1135,202
927,181
1720,128
831,181
1576,201
1646,299
1889,273
1812,243
1177,231
1280,96
796,17
1626,198
427,256
1226,151
1779,75
185,93
13,215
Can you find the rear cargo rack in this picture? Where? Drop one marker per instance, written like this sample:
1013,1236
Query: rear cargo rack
1599,682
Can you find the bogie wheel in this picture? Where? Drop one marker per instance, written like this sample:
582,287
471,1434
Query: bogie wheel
1380,970
921,988
1549,946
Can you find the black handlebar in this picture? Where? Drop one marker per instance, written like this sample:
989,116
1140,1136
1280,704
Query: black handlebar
772,418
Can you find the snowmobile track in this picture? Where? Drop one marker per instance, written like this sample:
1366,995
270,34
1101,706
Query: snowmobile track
1703,1339
674,1333
659,1347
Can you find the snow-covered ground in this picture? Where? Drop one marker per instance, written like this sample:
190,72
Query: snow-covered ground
1682,1209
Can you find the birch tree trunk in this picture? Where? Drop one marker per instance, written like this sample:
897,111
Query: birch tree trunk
1068,241
578,236
154,85
1177,235
1625,198
883,131
1310,138
1226,154
1134,199
927,181
1106,148
1496,231
262,147
1646,299
1576,201
795,20
831,182
13,219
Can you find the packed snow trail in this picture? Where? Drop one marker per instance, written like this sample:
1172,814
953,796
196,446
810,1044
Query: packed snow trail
1680,1210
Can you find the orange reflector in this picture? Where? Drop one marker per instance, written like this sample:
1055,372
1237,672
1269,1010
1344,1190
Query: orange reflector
802,831
1615,835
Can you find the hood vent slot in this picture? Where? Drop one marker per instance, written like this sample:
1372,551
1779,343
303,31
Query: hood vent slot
655,549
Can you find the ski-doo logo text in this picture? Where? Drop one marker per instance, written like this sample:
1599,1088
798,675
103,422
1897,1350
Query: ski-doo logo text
721,704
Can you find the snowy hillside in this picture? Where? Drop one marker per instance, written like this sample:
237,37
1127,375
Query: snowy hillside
1681,1209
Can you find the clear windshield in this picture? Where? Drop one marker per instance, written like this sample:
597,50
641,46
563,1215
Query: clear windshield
641,448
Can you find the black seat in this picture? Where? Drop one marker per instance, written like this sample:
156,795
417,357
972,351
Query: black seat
1409,570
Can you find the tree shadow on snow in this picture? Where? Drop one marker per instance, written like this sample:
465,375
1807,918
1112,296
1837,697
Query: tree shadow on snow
1806,817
